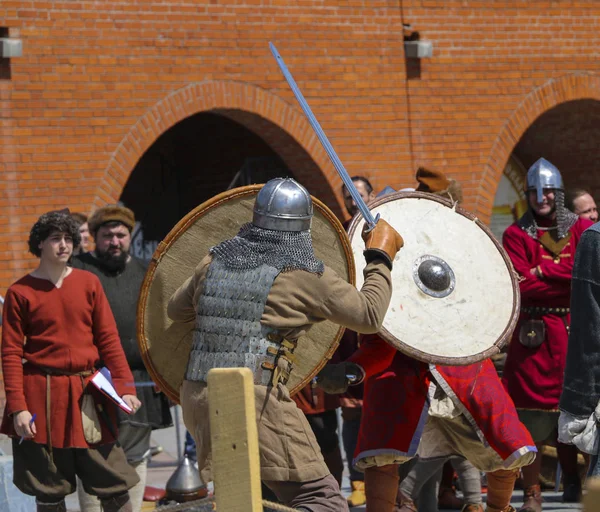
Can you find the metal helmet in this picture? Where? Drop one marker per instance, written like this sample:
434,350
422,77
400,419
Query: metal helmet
543,175
283,205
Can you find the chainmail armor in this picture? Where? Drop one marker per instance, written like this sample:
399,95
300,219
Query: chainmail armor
254,246
228,332
565,219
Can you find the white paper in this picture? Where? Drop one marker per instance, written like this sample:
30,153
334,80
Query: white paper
103,381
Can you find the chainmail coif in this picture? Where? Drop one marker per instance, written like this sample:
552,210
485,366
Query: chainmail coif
565,219
283,250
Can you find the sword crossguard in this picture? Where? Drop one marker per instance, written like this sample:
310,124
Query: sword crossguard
369,227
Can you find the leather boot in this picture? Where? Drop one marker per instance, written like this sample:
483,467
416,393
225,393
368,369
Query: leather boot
447,499
381,487
335,464
532,499
571,488
59,506
120,503
405,504
472,507
357,497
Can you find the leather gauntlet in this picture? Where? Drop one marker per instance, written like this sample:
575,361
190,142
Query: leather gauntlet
335,378
383,242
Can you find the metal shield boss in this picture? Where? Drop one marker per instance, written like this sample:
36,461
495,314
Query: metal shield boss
455,297
165,346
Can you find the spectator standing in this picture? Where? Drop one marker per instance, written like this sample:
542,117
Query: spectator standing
86,242
581,203
580,398
57,329
121,276
542,245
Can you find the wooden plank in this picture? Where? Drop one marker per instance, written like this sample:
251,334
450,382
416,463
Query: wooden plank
591,499
234,439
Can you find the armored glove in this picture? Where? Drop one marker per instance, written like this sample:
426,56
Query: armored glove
383,241
335,378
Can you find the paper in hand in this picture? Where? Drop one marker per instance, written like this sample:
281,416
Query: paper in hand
103,381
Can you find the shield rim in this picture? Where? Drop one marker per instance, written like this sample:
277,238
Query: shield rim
173,236
504,338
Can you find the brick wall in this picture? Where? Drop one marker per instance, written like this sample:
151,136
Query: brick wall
497,66
100,82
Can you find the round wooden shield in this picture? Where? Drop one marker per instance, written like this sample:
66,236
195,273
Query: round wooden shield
165,346
455,297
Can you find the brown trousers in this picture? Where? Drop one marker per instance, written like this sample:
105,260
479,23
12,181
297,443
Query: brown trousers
291,464
288,448
103,471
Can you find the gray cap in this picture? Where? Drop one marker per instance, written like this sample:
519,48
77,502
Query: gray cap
283,205
543,175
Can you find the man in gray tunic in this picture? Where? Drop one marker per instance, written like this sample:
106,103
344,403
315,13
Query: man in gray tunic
252,298
121,275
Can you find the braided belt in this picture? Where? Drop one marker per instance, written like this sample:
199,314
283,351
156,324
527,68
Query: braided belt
541,311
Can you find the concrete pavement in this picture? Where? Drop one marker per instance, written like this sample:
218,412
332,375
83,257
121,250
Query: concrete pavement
163,465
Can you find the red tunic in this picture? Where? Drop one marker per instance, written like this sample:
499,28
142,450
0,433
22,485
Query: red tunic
534,376
396,406
69,329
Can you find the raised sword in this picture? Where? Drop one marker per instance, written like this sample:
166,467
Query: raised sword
337,163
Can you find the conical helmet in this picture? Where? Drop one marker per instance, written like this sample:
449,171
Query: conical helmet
543,175
283,205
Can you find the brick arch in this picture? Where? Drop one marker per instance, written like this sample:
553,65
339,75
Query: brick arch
575,86
284,128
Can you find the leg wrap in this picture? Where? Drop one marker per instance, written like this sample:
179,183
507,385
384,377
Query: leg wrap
381,488
501,484
120,503
57,506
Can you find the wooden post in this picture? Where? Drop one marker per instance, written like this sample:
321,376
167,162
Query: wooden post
234,439
591,499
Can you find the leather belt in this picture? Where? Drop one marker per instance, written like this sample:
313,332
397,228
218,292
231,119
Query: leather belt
540,311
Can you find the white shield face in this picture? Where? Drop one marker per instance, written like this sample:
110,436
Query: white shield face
455,299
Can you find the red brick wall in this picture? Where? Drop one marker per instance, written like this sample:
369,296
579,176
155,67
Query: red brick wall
98,83
497,66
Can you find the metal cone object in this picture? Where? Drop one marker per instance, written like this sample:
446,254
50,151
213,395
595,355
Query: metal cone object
185,483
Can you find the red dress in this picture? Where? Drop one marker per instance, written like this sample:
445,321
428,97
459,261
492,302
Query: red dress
534,376
68,329
395,406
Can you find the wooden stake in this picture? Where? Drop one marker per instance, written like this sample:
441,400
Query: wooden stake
591,499
234,439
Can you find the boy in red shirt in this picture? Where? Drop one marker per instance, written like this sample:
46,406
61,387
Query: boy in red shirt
57,328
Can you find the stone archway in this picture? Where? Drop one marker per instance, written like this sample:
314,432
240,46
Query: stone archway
576,86
509,199
257,109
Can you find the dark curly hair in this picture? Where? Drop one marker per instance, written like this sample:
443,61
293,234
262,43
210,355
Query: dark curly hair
47,224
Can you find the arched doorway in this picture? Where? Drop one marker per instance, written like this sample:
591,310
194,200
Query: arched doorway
567,136
575,95
194,160
509,199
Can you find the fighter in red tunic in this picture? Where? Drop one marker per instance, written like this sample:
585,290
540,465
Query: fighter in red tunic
542,248
415,409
